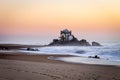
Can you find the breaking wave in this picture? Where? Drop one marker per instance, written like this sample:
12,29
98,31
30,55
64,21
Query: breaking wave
108,51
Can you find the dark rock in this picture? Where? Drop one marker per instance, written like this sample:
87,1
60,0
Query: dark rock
32,49
95,44
70,43
83,42
96,56
68,39
3,48
75,39
55,40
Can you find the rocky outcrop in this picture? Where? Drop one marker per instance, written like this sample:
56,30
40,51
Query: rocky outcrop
96,57
96,44
68,39
84,42
3,48
75,42
32,49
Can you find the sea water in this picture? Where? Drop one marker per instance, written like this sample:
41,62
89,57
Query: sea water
108,52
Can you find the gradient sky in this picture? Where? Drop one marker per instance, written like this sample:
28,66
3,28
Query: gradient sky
41,20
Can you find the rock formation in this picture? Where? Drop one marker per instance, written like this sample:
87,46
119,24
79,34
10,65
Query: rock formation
95,44
32,49
67,39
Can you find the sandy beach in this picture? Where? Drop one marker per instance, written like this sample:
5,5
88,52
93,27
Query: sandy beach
59,39
14,66
22,66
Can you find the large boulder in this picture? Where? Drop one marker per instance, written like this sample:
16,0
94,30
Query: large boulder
84,42
55,40
96,57
32,49
95,44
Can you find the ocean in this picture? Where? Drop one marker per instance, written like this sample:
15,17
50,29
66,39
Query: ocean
108,52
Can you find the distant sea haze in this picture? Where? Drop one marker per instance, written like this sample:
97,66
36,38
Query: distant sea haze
41,41
28,41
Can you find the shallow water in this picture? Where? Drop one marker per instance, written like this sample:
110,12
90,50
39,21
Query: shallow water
86,60
107,52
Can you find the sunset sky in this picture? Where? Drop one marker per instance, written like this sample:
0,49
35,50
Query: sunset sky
40,21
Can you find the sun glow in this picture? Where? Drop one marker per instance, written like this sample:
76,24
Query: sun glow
44,17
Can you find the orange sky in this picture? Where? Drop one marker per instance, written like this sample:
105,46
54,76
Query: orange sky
87,18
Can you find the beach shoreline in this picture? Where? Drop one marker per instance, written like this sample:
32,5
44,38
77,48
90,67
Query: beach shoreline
25,66
47,69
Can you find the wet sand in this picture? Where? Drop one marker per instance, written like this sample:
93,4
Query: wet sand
19,66
17,46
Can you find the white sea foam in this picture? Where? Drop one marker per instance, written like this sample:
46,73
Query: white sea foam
109,51
88,61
